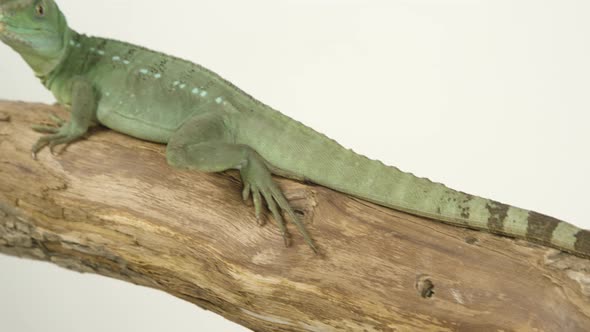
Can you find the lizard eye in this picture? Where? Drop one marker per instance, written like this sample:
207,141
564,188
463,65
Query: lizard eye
40,10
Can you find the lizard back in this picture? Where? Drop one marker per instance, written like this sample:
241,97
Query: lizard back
142,93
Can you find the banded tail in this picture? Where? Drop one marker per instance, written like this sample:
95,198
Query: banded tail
330,165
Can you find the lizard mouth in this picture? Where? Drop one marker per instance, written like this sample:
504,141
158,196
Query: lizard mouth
9,36
16,34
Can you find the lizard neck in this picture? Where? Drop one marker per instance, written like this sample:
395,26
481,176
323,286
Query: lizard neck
48,74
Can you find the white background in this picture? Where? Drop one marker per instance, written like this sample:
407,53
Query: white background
489,97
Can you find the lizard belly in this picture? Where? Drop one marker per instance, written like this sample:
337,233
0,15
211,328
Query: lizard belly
147,122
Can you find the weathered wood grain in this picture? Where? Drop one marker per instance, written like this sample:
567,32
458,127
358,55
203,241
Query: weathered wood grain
110,205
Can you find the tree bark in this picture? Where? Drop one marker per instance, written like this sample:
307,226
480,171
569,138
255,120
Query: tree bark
111,205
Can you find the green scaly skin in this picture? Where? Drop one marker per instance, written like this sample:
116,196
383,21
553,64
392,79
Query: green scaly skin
210,125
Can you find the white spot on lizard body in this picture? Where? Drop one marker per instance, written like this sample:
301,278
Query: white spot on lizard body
182,86
218,100
157,75
143,71
101,52
116,58
203,93
195,91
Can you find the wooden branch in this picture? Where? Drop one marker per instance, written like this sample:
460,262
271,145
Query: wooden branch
111,205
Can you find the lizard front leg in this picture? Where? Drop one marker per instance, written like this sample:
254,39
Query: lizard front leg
205,143
82,117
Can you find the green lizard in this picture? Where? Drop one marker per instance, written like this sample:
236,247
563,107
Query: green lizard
210,125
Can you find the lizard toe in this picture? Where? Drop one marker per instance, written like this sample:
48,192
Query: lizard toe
53,140
258,184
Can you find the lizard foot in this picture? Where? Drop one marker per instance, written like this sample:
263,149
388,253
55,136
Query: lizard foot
62,133
51,129
259,184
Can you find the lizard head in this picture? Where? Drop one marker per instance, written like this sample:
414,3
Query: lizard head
37,30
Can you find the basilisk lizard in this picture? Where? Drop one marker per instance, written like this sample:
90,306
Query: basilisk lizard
210,125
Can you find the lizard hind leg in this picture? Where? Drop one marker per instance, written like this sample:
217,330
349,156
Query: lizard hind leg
204,143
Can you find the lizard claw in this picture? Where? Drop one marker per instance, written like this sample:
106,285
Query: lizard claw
52,150
64,136
53,128
258,183
61,132
252,191
58,133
